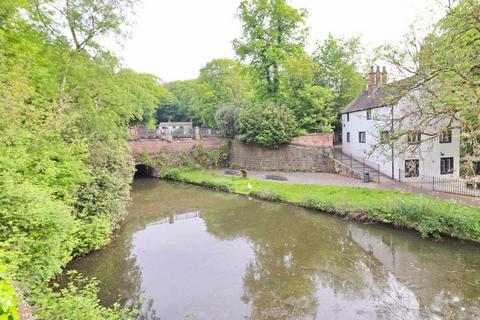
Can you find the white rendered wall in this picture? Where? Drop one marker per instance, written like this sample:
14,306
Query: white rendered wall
428,153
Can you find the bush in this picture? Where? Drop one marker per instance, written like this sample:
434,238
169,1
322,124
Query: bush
227,118
8,299
207,158
78,300
171,174
36,232
267,125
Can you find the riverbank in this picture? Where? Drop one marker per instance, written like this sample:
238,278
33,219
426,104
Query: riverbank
428,216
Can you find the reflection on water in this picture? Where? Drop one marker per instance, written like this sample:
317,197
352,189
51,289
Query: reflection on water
194,252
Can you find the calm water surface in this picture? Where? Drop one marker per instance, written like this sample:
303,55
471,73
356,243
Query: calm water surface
199,254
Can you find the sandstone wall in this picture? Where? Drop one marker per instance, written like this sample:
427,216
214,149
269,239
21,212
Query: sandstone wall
293,157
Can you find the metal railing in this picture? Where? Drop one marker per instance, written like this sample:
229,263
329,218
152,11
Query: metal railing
462,186
207,132
183,132
358,164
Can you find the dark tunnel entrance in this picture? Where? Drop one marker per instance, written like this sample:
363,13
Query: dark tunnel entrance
144,171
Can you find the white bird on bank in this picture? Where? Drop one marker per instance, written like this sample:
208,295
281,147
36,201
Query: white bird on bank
249,186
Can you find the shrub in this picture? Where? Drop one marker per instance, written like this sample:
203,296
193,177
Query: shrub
210,158
8,299
268,125
227,118
265,194
320,205
78,300
36,232
217,185
171,174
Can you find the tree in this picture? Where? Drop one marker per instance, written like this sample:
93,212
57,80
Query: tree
221,81
227,118
227,78
273,32
338,62
80,23
443,69
311,103
267,124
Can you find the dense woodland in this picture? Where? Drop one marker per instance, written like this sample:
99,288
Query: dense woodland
66,104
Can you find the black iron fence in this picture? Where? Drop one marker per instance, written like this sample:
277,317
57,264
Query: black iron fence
461,186
358,165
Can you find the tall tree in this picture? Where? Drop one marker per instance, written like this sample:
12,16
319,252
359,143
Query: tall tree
81,23
273,32
312,104
221,81
338,62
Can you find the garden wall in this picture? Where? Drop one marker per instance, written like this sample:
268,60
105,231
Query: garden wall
153,147
307,153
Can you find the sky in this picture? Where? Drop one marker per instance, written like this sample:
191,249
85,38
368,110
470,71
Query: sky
173,39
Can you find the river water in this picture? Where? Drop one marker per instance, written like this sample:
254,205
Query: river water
193,253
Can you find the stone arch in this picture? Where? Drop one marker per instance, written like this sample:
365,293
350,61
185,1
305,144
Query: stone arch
144,170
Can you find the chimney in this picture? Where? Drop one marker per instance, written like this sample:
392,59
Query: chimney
378,77
384,75
371,82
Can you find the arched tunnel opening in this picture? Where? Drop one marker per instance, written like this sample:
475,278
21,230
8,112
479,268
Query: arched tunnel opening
144,171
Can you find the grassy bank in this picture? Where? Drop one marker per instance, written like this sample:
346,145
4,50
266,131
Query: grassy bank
429,216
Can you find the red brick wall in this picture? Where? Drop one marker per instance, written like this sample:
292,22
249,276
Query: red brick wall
156,146
318,139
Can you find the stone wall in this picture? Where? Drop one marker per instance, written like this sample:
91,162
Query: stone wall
317,139
292,157
153,147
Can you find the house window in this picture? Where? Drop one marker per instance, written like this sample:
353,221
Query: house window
369,114
446,165
411,168
446,136
362,137
348,136
348,116
414,138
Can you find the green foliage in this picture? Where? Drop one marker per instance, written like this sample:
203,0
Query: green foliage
8,299
171,174
210,158
313,105
36,232
273,32
338,62
267,125
227,119
65,167
77,301
221,81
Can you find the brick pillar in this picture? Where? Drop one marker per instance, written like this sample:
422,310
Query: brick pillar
197,133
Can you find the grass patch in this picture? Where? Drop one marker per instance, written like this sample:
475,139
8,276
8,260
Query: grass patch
429,216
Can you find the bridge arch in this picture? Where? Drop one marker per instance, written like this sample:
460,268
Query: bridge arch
144,170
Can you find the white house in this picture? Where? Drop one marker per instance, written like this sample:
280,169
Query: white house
369,119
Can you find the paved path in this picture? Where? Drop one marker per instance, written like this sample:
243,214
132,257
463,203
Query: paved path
331,179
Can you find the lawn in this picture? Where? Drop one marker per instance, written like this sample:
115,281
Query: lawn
429,216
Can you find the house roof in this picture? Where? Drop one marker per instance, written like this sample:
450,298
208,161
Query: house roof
381,96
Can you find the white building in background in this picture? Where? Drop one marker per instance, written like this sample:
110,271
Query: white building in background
368,120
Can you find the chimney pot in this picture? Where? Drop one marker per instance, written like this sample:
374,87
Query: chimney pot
384,75
378,77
